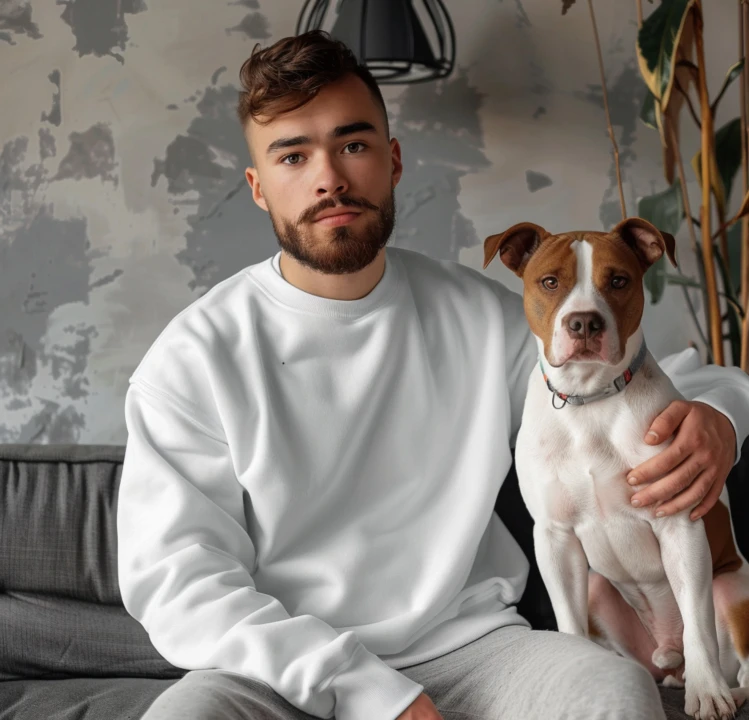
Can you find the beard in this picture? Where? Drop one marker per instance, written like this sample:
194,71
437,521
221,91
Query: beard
343,249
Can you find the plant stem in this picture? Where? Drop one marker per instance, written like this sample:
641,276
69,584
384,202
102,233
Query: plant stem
733,314
692,111
707,153
743,93
677,152
686,281
693,239
723,228
731,299
606,107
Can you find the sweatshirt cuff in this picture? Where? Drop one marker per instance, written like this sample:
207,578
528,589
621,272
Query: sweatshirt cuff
367,688
733,405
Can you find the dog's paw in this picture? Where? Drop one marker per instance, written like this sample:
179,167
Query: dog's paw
709,701
672,681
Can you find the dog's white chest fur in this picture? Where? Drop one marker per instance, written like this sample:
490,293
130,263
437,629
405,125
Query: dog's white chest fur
572,465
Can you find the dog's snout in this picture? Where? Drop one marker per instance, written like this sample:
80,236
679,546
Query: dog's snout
585,324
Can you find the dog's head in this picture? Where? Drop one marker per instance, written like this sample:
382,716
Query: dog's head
583,293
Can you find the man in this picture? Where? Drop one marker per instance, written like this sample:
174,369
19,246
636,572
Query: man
305,518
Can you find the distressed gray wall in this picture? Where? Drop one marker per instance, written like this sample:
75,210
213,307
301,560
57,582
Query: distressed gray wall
123,198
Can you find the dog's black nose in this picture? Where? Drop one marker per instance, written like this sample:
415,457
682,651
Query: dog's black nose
585,324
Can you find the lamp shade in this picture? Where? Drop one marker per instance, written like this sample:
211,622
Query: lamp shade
400,41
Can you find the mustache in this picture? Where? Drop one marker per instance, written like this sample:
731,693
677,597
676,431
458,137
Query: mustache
345,200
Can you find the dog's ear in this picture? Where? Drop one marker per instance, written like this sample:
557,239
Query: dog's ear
515,245
648,242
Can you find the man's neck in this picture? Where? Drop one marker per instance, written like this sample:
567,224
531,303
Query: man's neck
349,286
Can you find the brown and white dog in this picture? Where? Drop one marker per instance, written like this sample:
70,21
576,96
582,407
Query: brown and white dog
670,592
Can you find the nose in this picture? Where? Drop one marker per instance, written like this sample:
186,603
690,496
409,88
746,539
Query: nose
585,325
330,180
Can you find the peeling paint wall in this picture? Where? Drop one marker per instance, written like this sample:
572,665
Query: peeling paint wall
122,190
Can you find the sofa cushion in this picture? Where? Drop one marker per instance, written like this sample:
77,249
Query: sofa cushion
58,512
48,636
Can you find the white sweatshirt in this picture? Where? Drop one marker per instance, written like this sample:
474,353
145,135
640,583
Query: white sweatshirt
308,486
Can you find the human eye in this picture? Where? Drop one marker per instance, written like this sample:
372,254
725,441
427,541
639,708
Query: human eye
356,143
290,155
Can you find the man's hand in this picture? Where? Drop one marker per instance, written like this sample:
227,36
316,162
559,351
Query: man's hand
420,709
696,464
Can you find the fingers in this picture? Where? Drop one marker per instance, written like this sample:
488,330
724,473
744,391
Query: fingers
707,502
679,479
659,465
666,423
690,492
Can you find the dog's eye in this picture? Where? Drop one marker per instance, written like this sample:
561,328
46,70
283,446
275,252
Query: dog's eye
550,283
618,282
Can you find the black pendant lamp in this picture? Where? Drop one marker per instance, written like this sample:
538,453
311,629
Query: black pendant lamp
400,41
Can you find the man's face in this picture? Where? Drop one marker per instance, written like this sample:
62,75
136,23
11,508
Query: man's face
332,154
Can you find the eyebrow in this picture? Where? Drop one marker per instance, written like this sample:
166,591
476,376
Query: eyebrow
339,131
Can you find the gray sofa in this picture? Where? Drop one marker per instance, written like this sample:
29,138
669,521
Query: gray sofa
68,648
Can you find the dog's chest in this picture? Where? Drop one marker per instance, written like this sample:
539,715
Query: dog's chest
589,461
574,460
572,465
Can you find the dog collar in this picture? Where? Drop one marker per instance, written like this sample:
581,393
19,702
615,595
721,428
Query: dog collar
616,386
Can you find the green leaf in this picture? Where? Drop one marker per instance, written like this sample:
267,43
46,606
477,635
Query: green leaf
734,255
733,72
655,279
658,43
734,322
716,179
647,111
734,335
666,211
744,209
727,161
728,153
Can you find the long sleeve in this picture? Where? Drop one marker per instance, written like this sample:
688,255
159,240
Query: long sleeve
185,563
724,388
521,353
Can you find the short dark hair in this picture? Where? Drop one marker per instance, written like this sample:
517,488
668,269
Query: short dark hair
292,71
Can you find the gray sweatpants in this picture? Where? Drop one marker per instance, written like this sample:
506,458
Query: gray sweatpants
512,673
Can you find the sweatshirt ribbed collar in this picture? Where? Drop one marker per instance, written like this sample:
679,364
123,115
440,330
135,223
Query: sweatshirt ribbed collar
268,274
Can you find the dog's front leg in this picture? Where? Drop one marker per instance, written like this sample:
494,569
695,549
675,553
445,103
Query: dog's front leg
687,562
564,570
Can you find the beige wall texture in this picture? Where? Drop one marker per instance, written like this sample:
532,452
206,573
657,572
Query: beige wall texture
122,190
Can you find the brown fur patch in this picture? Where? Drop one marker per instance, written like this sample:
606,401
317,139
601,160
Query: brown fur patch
554,257
612,257
738,621
722,549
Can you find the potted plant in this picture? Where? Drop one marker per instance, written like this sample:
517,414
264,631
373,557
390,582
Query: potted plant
671,57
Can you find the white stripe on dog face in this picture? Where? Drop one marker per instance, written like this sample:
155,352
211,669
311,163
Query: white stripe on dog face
584,297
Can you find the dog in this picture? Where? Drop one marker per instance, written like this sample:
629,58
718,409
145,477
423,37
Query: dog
670,592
